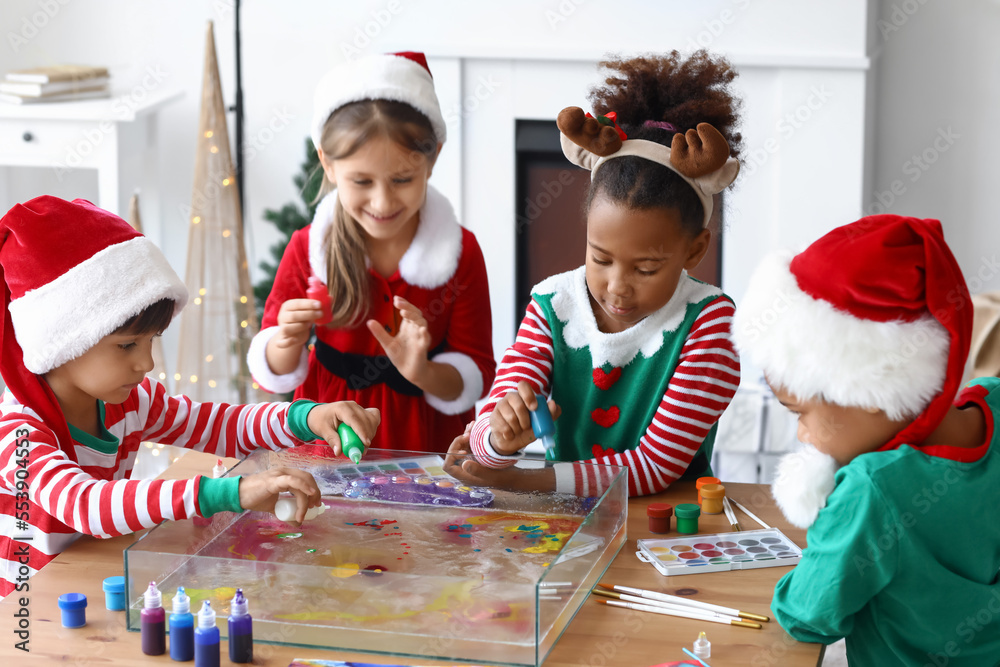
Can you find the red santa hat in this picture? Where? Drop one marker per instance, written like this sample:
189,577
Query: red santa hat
399,77
875,314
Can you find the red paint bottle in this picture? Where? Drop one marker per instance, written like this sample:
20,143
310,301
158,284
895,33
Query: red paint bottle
659,515
318,292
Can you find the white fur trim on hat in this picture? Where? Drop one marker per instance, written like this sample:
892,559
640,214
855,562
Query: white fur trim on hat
377,77
816,351
64,318
472,384
803,482
571,303
429,262
261,371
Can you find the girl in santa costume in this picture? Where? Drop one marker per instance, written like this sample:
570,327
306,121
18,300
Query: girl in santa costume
403,318
864,335
84,296
634,353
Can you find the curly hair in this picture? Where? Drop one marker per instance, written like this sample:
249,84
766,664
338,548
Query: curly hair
680,91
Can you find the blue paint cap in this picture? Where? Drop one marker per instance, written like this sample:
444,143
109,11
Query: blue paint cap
114,593
73,608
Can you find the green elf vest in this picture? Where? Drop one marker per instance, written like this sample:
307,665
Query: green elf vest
609,386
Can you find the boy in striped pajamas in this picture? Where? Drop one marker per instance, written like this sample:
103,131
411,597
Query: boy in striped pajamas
85,294
635,354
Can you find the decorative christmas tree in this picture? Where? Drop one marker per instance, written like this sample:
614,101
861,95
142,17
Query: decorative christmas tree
159,371
219,321
289,219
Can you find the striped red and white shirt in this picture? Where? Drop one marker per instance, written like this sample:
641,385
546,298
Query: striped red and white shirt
702,386
49,495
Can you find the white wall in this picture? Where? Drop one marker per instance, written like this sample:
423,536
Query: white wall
937,137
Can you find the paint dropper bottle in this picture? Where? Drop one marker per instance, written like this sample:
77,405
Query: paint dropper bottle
350,443
240,630
152,622
542,424
317,290
181,628
206,638
702,647
219,469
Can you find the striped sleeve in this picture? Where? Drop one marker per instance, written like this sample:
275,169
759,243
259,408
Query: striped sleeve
702,386
529,359
216,428
88,505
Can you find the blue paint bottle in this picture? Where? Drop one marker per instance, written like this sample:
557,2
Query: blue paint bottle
543,426
206,638
240,630
152,622
181,628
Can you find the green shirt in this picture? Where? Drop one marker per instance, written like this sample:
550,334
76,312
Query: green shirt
903,560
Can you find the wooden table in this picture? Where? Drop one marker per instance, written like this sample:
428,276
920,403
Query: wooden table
599,635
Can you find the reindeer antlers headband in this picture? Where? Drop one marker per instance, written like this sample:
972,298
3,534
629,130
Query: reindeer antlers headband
699,156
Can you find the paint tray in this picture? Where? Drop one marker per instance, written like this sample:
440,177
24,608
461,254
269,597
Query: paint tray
405,561
695,554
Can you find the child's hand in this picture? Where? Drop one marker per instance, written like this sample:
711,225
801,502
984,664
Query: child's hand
510,421
407,350
259,492
295,322
459,464
324,419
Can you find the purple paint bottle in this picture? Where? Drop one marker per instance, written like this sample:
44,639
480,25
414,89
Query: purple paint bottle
152,622
240,630
206,638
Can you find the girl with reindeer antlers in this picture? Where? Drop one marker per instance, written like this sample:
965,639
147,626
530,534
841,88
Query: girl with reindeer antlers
635,354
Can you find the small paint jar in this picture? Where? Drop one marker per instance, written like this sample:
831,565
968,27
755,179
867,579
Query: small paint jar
659,515
702,481
114,593
711,498
73,610
687,518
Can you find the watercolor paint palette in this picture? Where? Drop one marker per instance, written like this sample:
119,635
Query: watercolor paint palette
697,554
417,481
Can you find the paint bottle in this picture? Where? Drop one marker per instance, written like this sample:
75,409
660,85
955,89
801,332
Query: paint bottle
240,630
181,628
114,593
659,515
350,443
152,622
542,424
318,292
284,509
702,647
711,498
73,610
206,638
702,481
687,518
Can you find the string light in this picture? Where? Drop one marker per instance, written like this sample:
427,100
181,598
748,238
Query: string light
225,233
226,182
177,376
211,383
197,301
196,219
202,291
214,149
208,359
194,378
208,134
244,324
243,299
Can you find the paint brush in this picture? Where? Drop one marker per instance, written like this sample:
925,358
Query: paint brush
730,514
750,514
635,599
675,599
711,618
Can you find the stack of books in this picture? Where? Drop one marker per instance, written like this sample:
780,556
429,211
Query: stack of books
58,83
